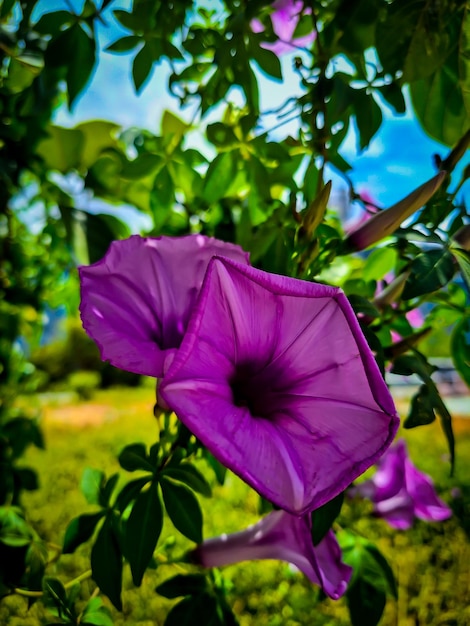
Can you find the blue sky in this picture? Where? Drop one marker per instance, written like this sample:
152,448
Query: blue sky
397,160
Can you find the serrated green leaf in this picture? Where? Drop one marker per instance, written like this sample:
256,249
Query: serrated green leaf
91,484
106,562
142,532
182,585
191,476
183,509
80,530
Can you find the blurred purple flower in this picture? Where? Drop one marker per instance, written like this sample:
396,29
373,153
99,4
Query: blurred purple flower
136,301
274,376
400,492
284,18
284,537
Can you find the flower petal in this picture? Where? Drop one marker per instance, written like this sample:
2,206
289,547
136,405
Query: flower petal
275,377
285,537
427,504
136,302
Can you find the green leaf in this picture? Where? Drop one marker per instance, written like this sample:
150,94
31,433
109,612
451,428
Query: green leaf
5,9
56,595
220,174
100,231
91,484
356,21
430,271
409,364
134,457
51,23
460,345
106,562
141,67
183,509
463,259
124,44
267,61
191,476
80,530
62,148
421,410
380,262
132,21
81,62
324,516
203,605
36,561
367,562
220,134
173,125
372,579
142,532
162,197
144,165
96,614
393,94
98,135
219,470
442,99
182,585
366,603
368,116
130,492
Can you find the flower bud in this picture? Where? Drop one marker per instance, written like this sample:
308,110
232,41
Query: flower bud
392,292
386,222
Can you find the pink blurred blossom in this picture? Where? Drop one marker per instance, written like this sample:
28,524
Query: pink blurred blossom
284,18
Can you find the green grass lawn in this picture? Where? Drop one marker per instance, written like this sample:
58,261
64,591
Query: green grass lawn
431,561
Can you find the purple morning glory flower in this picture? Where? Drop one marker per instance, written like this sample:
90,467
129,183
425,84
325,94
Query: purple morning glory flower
284,18
284,537
136,301
400,492
274,376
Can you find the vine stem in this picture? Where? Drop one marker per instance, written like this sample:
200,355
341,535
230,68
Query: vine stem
38,594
